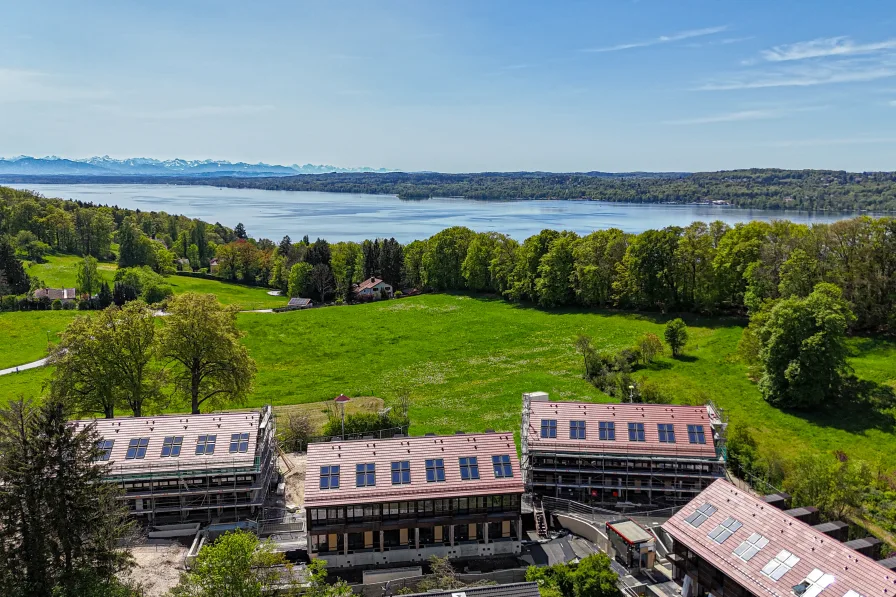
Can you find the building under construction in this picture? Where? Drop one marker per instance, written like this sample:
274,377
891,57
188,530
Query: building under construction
190,468
620,455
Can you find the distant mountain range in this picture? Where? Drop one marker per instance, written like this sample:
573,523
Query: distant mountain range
106,166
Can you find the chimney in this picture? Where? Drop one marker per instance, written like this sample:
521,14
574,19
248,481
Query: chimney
809,514
781,501
838,529
869,546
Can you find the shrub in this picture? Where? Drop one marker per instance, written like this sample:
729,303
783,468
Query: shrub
296,431
650,347
676,335
56,305
397,294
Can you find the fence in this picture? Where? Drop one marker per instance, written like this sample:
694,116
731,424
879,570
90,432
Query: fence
603,515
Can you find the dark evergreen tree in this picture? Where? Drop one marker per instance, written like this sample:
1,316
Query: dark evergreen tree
11,269
285,246
318,253
124,292
60,523
240,231
104,298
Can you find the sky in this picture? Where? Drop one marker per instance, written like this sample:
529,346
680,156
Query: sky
456,86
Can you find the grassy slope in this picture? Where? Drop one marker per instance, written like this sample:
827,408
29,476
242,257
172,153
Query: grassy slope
23,334
465,362
59,271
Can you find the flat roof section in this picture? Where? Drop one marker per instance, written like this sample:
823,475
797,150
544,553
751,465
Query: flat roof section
768,552
415,482
138,444
631,531
646,416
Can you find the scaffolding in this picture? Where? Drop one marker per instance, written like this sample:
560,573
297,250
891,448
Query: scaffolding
219,490
626,477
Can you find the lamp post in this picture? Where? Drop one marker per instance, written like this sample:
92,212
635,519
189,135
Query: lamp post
341,399
631,394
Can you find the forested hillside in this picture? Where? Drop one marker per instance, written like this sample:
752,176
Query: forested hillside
758,188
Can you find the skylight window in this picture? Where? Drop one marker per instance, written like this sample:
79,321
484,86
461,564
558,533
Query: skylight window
365,475
329,477
780,565
700,516
696,435
435,470
725,530
851,593
106,446
636,432
577,430
469,468
750,547
815,583
607,430
502,467
667,433
239,442
137,448
171,446
401,472
549,428
206,444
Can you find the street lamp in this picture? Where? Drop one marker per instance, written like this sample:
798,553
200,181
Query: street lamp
631,393
341,399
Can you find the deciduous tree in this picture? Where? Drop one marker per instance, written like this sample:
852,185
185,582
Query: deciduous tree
87,277
200,343
676,335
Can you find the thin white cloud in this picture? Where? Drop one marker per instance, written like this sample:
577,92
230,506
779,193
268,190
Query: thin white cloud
893,103
825,47
17,85
190,112
840,141
663,39
730,117
841,71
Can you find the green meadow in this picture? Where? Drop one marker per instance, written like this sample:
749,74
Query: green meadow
465,362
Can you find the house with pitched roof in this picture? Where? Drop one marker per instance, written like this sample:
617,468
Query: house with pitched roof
404,499
62,294
620,455
372,289
730,542
190,468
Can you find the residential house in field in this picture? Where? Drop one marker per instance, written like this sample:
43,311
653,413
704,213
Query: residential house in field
213,265
377,502
619,455
372,289
62,294
190,468
730,542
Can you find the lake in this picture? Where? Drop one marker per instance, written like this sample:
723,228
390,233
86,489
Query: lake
345,216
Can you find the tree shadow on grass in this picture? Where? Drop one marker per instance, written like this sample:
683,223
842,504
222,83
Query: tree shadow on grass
857,418
692,319
686,358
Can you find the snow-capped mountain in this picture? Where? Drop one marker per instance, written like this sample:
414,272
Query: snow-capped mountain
106,166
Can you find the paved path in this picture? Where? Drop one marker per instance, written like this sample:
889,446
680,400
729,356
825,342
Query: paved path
24,367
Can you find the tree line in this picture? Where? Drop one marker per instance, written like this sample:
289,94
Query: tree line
768,188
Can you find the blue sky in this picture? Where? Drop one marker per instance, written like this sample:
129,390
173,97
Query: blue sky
456,86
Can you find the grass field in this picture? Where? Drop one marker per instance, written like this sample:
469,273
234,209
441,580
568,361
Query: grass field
23,334
465,362
59,270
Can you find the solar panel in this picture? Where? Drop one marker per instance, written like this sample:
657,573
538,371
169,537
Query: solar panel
329,477
701,515
469,468
171,446
721,533
502,467
607,430
106,446
401,472
435,470
137,448
365,475
239,442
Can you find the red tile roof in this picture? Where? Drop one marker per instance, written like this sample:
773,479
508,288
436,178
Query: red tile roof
368,283
622,414
189,427
416,450
815,550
